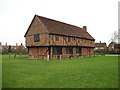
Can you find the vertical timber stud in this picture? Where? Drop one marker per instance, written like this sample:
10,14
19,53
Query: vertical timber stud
48,57
28,51
60,57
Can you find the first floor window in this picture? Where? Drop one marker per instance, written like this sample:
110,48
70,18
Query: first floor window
36,38
78,39
84,41
57,37
69,39
91,42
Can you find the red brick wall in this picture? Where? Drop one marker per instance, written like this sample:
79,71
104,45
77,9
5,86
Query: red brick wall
36,28
42,52
43,40
87,51
74,52
38,52
63,52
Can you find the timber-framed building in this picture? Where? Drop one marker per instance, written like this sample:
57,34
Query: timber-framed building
50,39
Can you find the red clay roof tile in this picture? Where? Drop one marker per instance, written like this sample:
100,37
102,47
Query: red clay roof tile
62,28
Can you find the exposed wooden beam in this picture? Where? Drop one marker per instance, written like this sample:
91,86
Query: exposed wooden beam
52,40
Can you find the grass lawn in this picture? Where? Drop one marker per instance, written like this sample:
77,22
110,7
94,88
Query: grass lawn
94,72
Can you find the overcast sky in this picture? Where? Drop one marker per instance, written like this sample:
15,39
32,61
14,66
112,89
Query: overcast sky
100,16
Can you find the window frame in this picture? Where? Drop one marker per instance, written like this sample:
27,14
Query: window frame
57,51
56,37
79,40
91,42
85,41
69,39
69,50
78,49
36,38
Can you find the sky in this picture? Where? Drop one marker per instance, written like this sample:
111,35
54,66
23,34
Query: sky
100,17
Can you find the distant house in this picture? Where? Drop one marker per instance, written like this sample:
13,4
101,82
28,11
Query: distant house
114,46
51,39
100,46
13,48
111,46
117,48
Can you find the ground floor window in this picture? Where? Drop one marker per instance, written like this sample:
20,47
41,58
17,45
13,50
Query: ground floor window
57,50
88,50
69,50
78,50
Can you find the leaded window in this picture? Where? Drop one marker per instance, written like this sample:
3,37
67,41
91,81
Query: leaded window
36,38
69,39
57,50
57,37
69,50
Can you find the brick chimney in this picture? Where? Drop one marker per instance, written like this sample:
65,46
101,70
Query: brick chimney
6,43
16,44
100,41
21,44
85,28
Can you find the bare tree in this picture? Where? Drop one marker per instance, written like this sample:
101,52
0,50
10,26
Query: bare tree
118,36
9,50
114,38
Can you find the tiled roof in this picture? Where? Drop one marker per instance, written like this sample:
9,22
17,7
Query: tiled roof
100,45
58,27
117,45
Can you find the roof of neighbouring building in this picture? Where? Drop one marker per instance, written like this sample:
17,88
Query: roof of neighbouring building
117,45
100,45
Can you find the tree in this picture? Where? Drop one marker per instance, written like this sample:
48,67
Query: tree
9,50
114,38
118,36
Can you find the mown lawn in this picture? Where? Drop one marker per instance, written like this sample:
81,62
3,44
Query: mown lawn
94,72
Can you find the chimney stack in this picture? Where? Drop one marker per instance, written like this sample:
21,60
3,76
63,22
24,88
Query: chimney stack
21,44
85,28
6,43
16,44
0,43
100,41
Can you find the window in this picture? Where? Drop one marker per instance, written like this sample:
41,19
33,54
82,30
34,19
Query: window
57,37
57,50
91,42
54,51
84,41
96,48
102,48
36,38
89,50
69,50
69,39
78,50
78,39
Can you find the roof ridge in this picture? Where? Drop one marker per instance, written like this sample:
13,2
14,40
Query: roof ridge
59,21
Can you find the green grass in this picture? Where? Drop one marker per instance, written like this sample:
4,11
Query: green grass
94,72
